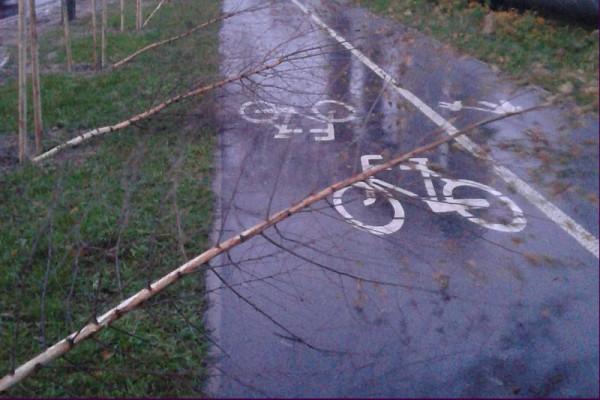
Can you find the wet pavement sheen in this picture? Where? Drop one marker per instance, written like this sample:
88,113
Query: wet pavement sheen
442,306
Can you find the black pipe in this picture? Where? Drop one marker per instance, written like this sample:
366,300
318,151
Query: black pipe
585,11
71,9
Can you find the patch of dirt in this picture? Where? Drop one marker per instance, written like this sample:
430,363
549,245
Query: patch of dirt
9,151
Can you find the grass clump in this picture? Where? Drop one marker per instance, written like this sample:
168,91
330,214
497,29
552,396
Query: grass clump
560,57
81,233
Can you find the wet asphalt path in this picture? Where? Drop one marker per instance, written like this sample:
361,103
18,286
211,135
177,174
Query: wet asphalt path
441,307
9,9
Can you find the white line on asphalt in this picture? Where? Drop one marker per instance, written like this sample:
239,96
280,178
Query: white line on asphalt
579,233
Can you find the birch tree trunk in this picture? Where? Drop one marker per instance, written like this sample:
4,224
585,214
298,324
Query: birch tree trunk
104,18
122,15
22,45
138,15
35,78
67,35
94,34
160,4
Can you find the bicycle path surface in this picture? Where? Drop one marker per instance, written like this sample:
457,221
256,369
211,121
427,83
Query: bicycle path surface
499,301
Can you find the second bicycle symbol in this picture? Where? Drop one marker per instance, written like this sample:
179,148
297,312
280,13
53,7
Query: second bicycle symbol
283,118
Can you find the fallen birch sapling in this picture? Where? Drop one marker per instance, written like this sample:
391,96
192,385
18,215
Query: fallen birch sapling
173,38
202,260
77,140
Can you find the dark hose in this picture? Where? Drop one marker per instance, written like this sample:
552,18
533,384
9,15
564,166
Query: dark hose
579,10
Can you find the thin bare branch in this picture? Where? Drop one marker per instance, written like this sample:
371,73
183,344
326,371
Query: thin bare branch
152,111
171,39
160,4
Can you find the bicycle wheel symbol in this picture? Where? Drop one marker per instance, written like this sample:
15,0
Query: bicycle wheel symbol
333,111
259,111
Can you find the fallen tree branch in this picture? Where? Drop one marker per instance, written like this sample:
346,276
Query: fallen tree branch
193,265
154,110
172,39
153,12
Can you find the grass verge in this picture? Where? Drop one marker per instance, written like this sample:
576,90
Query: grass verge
100,222
559,57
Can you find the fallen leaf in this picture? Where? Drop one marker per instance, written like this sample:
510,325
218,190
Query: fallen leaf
442,279
517,240
106,354
534,259
566,88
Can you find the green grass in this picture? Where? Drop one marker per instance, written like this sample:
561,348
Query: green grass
559,57
142,194
79,100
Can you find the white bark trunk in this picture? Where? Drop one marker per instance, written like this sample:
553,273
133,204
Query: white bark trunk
160,4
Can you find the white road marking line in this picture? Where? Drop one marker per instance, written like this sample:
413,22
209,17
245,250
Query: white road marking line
579,233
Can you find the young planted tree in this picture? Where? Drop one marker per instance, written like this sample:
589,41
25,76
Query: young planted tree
22,45
35,78
67,30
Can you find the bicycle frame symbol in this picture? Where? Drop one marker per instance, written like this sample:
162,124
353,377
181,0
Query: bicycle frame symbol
327,112
447,203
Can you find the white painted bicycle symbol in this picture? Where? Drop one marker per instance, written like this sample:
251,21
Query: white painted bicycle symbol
504,107
327,112
475,210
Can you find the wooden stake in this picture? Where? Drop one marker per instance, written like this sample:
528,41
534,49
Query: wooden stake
22,61
66,26
94,34
122,15
35,78
103,32
138,15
